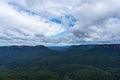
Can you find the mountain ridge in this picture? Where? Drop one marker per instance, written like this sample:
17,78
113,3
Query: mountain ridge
65,48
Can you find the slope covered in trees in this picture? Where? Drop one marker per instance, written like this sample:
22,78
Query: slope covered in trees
83,62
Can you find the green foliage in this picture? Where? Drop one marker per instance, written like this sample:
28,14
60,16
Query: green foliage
40,63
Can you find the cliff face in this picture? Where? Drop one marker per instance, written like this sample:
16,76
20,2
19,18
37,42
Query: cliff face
96,46
109,46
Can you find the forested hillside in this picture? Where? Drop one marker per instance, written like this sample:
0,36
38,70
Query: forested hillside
81,62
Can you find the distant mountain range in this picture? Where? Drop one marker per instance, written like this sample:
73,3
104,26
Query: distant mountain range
64,48
97,62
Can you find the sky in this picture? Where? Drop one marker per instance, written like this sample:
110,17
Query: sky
59,22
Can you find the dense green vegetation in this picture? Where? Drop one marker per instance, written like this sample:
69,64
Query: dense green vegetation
76,63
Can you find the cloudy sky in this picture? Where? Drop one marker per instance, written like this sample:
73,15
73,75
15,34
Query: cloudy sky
59,22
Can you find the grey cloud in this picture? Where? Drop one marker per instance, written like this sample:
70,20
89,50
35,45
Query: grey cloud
98,21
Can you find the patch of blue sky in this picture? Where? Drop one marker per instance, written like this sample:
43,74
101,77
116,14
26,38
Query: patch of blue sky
56,20
60,34
71,18
71,24
20,8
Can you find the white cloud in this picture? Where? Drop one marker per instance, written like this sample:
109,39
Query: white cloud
29,21
17,25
